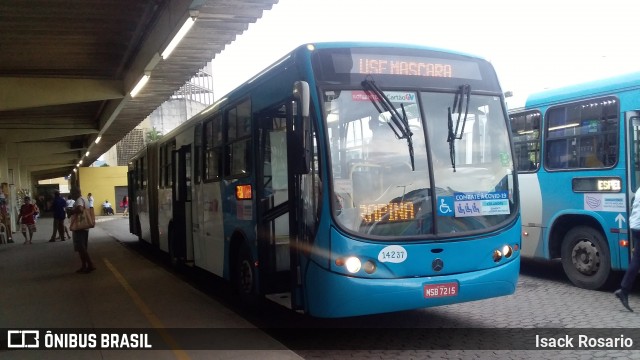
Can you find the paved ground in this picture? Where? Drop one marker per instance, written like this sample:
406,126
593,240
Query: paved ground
545,303
42,289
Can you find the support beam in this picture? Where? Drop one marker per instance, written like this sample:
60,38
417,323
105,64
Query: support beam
22,93
31,150
22,135
32,168
57,159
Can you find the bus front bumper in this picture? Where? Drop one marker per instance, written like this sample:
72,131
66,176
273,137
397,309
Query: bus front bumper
329,294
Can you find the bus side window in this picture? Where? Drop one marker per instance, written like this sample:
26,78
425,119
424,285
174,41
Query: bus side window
592,153
557,155
524,163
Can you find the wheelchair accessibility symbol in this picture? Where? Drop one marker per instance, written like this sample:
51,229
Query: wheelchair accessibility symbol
445,206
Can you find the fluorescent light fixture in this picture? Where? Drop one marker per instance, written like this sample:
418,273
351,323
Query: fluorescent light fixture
140,85
564,126
74,170
176,39
87,154
80,162
98,139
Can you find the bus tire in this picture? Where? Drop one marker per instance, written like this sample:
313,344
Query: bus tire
244,278
586,258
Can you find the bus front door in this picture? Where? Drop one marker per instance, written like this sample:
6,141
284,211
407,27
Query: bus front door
133,203
632,119
275,206
180,240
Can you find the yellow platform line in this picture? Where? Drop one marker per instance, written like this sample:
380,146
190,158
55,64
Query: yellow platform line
146,311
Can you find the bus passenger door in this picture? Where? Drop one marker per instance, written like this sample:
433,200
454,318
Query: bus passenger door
133,203
180,240
274,205
632,119
633,122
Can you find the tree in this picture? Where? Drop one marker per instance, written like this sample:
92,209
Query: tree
152,135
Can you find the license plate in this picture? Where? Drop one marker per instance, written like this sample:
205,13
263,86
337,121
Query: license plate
440,290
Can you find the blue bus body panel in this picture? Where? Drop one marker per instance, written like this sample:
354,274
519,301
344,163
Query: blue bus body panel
328,290
560,200
337,295
609,210
400,286
586,90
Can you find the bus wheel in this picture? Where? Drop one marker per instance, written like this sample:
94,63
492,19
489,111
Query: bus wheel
245,276
585,258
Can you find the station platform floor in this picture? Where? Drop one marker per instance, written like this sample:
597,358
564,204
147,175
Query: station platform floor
40,289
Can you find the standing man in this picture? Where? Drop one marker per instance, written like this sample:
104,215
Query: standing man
90,198
81,237
59,214
27,220
70,203
634,266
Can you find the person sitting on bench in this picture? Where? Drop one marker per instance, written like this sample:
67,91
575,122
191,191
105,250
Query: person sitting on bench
107,209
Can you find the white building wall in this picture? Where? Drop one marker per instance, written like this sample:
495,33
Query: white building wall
173,113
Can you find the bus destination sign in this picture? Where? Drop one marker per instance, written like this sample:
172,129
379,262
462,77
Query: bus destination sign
414,66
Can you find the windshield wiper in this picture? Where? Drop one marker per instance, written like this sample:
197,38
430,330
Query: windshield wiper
458,101
383,104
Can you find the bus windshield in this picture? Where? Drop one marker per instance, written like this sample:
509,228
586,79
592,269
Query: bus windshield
466,186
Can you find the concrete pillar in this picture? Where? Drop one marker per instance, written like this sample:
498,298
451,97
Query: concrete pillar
4,163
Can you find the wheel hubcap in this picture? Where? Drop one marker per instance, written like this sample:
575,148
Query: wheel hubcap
585,257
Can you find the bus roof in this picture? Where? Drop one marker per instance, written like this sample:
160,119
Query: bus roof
584,90
323,45
241,89
337,45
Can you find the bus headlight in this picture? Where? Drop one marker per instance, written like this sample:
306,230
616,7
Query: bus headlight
507,251
353,264
497,255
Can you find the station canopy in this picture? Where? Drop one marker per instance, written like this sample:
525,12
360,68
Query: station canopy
67,69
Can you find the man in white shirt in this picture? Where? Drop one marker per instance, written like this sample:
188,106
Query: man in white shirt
106,208
70,203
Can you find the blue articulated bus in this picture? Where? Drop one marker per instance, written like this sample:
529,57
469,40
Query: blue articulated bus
577,158
345,179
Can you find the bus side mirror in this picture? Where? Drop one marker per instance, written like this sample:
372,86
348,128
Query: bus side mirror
301,93
302,129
